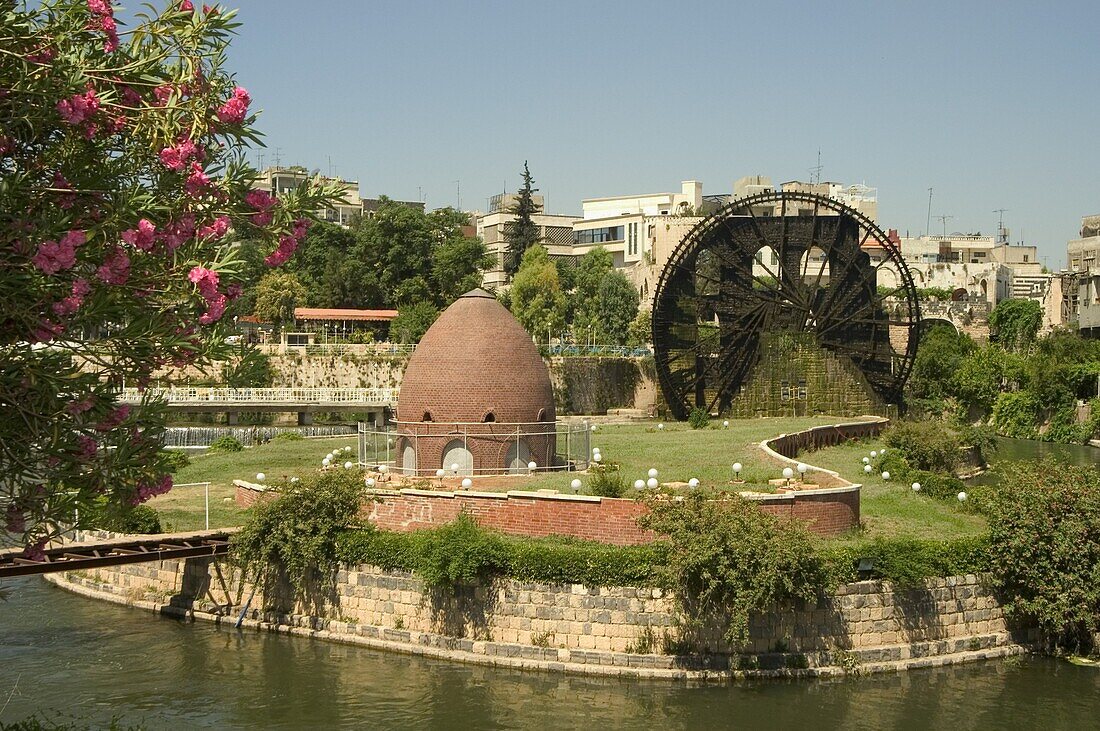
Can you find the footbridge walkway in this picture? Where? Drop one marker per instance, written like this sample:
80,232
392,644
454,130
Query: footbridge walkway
375,402
90,554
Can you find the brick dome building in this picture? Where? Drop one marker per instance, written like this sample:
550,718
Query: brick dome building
476,393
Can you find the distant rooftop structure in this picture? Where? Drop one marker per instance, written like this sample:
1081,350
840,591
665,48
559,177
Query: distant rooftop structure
320,314
278,180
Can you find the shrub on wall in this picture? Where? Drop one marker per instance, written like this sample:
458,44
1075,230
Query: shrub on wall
727,559
297,532
1045,550
606,480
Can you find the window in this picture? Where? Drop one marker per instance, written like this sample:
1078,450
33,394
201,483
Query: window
785,391
541,416
598,235
427,416
490,417
802,390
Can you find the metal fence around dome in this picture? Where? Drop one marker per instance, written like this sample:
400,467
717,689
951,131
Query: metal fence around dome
551,446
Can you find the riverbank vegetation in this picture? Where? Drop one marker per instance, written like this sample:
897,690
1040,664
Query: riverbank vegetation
1022,384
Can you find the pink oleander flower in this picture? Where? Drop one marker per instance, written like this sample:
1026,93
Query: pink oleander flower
15,520
300,227
196,182
143,237
130,97
56,256
78,107
115,268
35,551
87,448
72,303
179,232
178,155
282,254
42,55
215,230
235,109
205,280
234,291
46,330
113,419
163,94
215,308
186,6
100,7
260,200
75,408
7,144
146,490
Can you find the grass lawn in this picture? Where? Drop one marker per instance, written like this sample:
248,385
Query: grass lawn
678,453
892,509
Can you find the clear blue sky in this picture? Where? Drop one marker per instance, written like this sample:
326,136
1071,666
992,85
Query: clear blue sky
992,104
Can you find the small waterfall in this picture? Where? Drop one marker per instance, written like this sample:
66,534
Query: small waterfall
204,436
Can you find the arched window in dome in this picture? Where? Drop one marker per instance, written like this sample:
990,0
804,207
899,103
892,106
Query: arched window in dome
518,456
456,453
490,417
541,416
408,460
427,416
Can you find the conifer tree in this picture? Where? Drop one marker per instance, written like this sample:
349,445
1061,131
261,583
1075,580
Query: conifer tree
522,233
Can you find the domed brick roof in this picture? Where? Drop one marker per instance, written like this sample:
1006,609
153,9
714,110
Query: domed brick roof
476,360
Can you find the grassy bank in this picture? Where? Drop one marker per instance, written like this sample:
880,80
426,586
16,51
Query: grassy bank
889,509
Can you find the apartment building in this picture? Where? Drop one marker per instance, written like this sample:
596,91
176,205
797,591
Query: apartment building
555,233
278,180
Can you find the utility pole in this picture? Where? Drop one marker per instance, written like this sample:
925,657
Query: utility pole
1001,225
944,219
458,195
815,172
928,221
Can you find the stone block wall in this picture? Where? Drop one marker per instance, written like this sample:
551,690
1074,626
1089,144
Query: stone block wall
580,628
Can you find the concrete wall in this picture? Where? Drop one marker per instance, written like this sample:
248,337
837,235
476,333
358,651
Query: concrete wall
866,626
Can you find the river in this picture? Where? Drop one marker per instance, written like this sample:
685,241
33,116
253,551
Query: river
95,660
1026,450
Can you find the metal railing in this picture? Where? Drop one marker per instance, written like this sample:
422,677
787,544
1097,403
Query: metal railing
197,395
551,446
622,351
206,488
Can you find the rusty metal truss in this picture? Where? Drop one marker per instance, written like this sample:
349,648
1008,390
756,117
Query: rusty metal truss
773,262
114,552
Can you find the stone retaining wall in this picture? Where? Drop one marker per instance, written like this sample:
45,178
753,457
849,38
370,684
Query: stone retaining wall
863,627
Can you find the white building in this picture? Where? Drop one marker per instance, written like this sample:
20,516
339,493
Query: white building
277,180
555,233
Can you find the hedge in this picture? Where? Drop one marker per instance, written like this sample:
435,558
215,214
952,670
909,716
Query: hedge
906,562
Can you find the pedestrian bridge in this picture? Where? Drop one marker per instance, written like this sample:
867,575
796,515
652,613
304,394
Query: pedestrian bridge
90,554
305,401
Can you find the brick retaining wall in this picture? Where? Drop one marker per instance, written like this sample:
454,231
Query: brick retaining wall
866,626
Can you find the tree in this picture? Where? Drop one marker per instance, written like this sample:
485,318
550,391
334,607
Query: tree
591,270
537,300
121,173
412,322
277,294
618,306
1015,323
941,351
641,329
522,233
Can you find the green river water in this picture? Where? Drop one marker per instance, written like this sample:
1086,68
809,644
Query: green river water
94,661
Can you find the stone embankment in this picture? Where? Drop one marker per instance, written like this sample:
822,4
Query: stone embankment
626,631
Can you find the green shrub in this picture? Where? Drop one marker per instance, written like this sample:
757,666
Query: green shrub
606,480
907,562
926,445
1017,415
124,519
225,443
699,418
288,436
175,459
727,559
547,560
297,532
459,553
1044,523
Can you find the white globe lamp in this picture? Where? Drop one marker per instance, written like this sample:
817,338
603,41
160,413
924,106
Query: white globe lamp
962,497
651,482
693,482
639,484
916,487
867,468
260,477
575,485
652,472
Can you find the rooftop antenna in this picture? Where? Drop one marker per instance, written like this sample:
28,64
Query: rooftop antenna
420,193
261,161
278,156
928,221
329,165
815,171
943,220
1002,239
458,195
